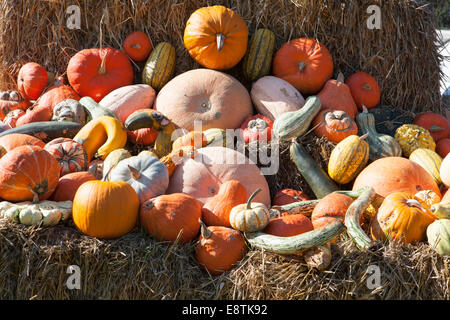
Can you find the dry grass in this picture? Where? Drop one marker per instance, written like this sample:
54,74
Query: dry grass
402,55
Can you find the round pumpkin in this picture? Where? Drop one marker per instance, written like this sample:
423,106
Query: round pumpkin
105,209
69,153
304,63
332,206
14,140
137,46
69,184
438,125
165,216
31,80
289,225
443,147
287,196
395,174
26,172
144,136
365,89
216,99
216,37
444,171
54,95
97,72
401,217
202,176
335,125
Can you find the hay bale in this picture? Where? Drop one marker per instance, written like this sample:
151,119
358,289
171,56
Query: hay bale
403,55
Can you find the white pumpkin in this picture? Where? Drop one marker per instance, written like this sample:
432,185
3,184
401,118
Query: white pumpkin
438,235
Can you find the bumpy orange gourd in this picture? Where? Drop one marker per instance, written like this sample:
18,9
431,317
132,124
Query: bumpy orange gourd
401,217
335,125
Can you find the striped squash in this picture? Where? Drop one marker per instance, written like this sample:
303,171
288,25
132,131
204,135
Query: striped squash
429,160
348,158
160,66
258,60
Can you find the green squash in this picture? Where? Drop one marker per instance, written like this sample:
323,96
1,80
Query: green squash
438,235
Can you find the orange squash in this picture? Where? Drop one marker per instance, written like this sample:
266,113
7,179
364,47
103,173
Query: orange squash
438,125
335,125
195,139
287,196
14,140
289,225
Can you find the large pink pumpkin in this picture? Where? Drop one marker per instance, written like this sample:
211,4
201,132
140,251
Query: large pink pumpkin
215,98
201,177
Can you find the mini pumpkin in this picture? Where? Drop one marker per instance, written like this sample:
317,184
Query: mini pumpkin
335,125
249,217
364,89
257,128
332,206
31,80
69,184
137,45
289,225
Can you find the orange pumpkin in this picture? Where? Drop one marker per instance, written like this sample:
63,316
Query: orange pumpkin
428,197
219,248
335,125
14,140
69,184
332,206
438,125
289,225
55,94
336,95
364,89
97,72
304,63
10,101
11,118
26,172
395,174
287,196
35,113
216,210
443,147
216,37
166,216
144,136
137,46
401,217
105,209
31,80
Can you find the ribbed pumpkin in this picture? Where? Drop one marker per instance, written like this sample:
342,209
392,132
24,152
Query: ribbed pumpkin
216,37
69,184
289,225
219,248
304,63
105,209
97,72
31,80
335,125
258,59
287,196
365,89
401,217
14,140
11,101
438,125
137,45
429,160
444,171
160,66
443,147
166,216
348,158
332,206
69,153
27,171
412,137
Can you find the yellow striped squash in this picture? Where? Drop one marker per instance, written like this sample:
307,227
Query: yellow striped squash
348,158
429,160
258,59
160,66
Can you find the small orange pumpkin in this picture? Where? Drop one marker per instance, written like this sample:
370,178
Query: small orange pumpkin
287,196
332,206
365,89
289,225
443,147
335,125
137,46
69,184
31,80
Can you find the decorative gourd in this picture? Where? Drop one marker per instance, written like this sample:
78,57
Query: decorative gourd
287,196
105,209
335,125
172,217
113,159
289,225
249,217
438,235
401,217
258,59
97,72
216,37
148,176
336,95
332,206
295,123
11,118
35,113
46,130
202,177
429,160
95,110
95,168
14,140
412,137
69,153
45,213
11,101
364,89
257,128
176,157
348,158
443,147
160,66
54,95
438,125
126,100
380,145
273,96
428,197
2,151
219,137
315,176
216,99
219,248
137,45
216,210
441,210
444,171
304,63
69,184
31,80
195,139
26,171
69,110
101,136
148,153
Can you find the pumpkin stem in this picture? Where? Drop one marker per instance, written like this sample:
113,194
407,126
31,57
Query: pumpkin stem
149,205
204,229
340,77
136,46
363,137
102,69
134,173
35,195
367,87
416,204
220,39
301,66
249,201
365,110
435,128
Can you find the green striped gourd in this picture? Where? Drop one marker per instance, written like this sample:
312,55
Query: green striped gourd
258,60
160,66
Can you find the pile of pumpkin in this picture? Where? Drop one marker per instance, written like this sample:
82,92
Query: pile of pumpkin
64,152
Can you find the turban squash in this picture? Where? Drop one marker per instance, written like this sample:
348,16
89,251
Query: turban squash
10,101
335,125
69,153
